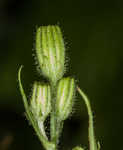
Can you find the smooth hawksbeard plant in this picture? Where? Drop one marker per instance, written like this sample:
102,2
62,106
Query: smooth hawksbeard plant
55,99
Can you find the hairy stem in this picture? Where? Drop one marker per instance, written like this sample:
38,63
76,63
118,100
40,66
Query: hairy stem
55,125
92,141
53,116
47,145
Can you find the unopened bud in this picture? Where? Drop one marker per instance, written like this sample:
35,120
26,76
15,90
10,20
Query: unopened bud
50,52
41,101
64,98
77,148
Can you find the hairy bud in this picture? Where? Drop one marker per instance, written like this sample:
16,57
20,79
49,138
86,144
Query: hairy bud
64,98
41,101
50,52
77,148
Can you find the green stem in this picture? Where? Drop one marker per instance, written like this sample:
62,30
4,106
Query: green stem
53,115
59,130
92,141
55,125
47,145
41,126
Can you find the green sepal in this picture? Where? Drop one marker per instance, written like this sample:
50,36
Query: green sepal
40,103
64,98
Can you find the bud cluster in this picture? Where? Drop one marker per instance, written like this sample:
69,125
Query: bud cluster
50,52
56,98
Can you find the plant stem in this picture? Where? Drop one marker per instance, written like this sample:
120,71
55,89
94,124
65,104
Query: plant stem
92,141
55,124
53,115
59,130
41,126
47,145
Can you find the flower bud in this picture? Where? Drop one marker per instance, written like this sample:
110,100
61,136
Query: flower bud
41,101
50,52
77,148
64,98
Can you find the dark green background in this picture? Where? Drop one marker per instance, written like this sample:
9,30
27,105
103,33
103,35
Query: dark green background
93,33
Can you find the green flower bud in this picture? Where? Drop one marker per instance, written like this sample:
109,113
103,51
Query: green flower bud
78,148
64,97
50,52
41,101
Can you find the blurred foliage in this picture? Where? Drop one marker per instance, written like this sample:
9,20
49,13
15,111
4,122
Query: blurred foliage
93,35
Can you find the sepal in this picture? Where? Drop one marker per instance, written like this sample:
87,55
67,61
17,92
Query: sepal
40,103
65,97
